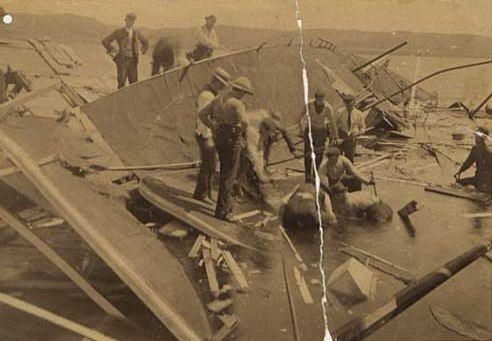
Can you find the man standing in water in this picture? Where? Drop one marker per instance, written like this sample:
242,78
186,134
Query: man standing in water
204,137
126,57
323,126
229,124
480,155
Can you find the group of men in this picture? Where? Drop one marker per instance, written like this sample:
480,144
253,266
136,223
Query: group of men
167,52
225,127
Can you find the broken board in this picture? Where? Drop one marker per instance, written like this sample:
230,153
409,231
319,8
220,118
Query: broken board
199,215
119,239
463,193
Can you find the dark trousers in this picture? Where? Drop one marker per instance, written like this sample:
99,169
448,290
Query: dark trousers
200,52
319,140
165,62
347,148
228,145
207,168
126,68
482,185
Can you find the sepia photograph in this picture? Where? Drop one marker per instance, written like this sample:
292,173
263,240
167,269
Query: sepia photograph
226,170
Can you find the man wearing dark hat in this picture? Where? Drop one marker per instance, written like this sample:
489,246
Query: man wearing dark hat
206,39
337,168
229,125
481,156
350,123
204,137
128,40
323,126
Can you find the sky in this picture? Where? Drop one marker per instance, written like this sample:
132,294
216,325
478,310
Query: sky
444,16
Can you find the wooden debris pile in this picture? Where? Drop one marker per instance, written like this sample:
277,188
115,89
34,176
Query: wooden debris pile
215,258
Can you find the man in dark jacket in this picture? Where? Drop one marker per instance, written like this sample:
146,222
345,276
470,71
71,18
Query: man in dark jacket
480,155
126,57
164,54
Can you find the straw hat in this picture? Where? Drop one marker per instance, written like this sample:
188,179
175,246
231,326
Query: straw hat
222,75
243,84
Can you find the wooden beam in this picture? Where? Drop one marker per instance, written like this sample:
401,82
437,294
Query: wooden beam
196,246
53,318
302,265
4,107
76,218
236,270
60,263
303,288
210,270
41,162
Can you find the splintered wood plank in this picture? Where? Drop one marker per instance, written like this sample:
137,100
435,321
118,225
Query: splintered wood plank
302,265
211,275
58,55
303,288
49,253
236,270
214,249
196,246
53,318
71,54
133,253
230,324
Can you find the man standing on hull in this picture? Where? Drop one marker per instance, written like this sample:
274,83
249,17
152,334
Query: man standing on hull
204,136
323,126
126,57
229,125
349,126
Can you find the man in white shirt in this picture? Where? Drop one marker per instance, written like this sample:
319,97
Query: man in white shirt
350,123
206,39
204,136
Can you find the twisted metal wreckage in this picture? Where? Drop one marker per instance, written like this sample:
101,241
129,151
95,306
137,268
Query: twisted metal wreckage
77,150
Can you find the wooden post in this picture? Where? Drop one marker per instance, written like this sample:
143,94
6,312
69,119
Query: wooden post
60,263
53,318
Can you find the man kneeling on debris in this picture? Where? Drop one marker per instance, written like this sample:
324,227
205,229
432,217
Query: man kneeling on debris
9,76
480,155
301,211
337,168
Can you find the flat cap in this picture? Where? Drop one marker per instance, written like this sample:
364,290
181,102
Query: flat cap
131,16
319,93
211,17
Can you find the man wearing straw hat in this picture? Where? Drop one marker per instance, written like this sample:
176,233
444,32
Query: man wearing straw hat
229,124
204,137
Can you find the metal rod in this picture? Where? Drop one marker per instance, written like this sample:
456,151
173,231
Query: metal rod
380,56
472,113
424,79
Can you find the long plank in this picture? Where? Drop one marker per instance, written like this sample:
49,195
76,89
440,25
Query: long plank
132,252
53,318
70,272
43,161
167,199
464,194
210,270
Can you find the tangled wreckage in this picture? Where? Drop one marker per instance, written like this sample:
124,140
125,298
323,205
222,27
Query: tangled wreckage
118,168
